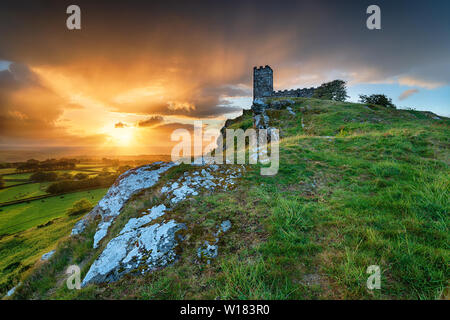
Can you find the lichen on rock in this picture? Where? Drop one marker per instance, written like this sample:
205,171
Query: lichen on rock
207,178
128,184
147,242
148,247
47,255
209,249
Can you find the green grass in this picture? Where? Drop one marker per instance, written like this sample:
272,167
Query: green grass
80,168
7,170
13,183
20,217
37,189
31,229
357,186
23,191
24,176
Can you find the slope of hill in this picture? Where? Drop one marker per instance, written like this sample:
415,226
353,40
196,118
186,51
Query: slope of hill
357,186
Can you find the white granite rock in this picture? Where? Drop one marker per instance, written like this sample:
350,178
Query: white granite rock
47,255
128,184
139,246
206,178
142,245
12,290
209,250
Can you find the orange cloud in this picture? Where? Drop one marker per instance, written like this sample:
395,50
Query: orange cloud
407,93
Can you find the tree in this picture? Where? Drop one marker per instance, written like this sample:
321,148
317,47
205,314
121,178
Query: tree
41,176
105,174
123,169
335,90
47,165
75,185
379,99
81,176
79,207
2,183
65,176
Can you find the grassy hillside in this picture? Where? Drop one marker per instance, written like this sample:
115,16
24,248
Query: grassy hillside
23,191
357,186
28,230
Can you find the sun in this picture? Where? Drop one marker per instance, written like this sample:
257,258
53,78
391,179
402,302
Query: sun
122,137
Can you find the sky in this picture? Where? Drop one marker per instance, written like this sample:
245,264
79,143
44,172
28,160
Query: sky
137,70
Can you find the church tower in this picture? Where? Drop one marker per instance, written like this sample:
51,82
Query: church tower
262,82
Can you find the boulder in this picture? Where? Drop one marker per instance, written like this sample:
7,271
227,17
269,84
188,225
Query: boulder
138,248
128,184
259,106
208,250
280,104
143,244
47,255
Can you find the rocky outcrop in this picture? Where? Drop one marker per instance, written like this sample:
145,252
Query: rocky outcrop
122,190
209,249
209,178
12,290
139,247
150,241
260,118
47,255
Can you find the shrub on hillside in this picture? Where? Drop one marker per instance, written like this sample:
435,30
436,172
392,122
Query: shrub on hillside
105,174
47,165
80,207
75,185
65,176
123,169
335,90
81,176
42,176
2,183
379,99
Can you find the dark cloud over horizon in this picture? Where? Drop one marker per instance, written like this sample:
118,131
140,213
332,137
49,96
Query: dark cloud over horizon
150,122
189,58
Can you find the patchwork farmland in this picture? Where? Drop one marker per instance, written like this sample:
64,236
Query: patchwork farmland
33,220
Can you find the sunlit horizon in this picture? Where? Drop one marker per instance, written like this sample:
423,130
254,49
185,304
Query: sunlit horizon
124,88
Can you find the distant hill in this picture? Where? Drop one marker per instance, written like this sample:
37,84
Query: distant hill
19,154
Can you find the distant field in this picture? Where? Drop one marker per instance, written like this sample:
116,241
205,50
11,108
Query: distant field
10,174
85,168
7,170
23,191
24,235
28,230
74,172
18,176
19,217
90,165
12,183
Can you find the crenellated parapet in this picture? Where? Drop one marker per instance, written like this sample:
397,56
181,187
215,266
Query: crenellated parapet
263,86
294,93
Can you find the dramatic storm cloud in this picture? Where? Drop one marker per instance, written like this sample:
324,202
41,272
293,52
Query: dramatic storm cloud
145,62
150,122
